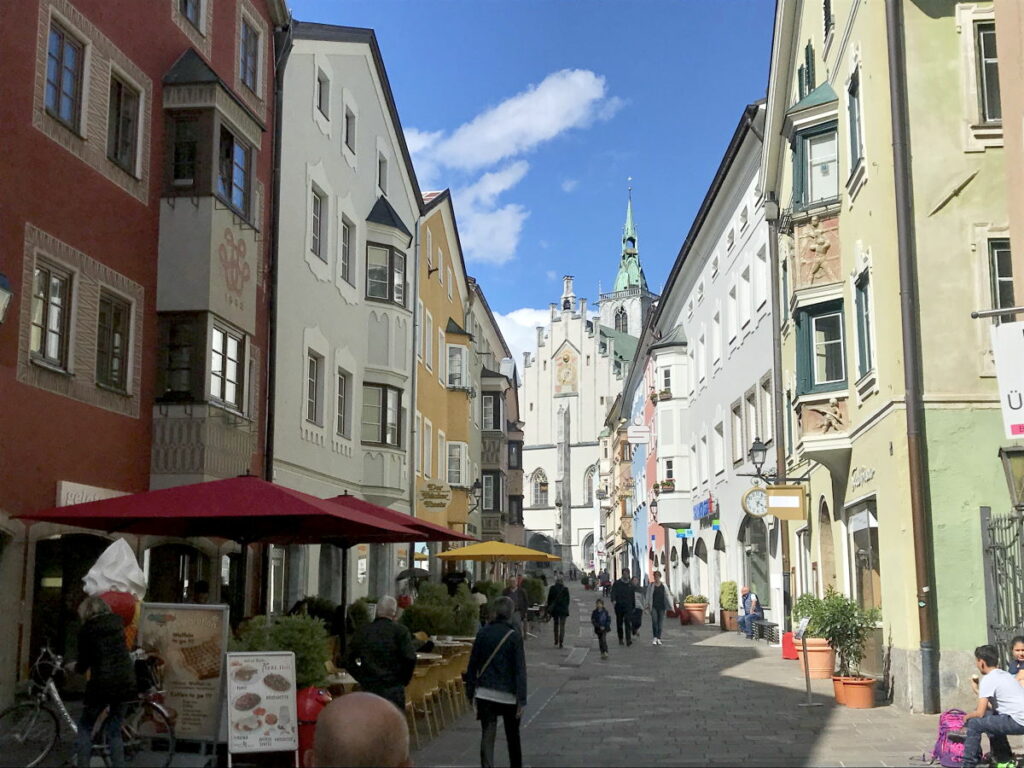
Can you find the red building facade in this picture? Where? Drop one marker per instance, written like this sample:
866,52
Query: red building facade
135,230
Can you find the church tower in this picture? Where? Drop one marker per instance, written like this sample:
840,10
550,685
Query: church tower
625,308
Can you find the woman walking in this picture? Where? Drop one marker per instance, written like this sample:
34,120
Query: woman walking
102,652
658,602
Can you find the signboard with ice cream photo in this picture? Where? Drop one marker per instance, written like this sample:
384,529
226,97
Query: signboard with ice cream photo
262,710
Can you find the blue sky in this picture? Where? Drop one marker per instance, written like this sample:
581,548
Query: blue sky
535,113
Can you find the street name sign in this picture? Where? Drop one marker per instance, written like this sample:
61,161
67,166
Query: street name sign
1008,348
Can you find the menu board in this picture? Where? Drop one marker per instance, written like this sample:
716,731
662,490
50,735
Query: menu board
262,711
190,641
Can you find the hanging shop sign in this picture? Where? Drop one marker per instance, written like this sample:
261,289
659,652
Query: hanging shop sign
704,508
190,641
435,496
787,502
1008,348
638,434
262,707
684,533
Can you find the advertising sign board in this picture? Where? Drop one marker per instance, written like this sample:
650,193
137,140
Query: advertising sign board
262,711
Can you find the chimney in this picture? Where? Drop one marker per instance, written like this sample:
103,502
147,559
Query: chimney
568,297
508,368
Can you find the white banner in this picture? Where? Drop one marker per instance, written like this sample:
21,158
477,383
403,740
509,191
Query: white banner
1008,348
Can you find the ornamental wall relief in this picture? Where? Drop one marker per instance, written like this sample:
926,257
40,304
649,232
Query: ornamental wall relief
818,257
566,370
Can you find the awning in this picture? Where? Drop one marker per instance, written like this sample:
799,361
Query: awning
427,531
497,551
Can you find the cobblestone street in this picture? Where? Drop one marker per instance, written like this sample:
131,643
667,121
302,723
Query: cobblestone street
704,697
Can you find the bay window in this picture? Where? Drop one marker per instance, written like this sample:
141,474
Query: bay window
821,348
458,363
385,274
382,408
815,166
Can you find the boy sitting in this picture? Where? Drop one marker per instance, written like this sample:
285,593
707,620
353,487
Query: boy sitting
998,689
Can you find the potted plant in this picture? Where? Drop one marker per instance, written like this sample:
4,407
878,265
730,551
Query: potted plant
847,626
821,658
656,488
697,608
728,601
665,394
668,486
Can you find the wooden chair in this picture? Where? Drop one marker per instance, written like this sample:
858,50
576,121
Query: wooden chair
417,703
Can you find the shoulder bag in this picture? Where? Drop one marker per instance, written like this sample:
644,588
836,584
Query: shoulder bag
469,686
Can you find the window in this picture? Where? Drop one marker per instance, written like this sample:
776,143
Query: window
440,264
51,306
820,348
744,297
703,458
515,455
344,384
669,471
345,265
694,464
666,378
515,510
418,340
862,295
1001,276
226,367
112,342
739,448
450,281
323,94
702,359
249,55
190,10
760,277
750,415
817,180
458,363
744,216
718,448
382,262
730,314
988,72
539,489
442,357
621,320
767,409
419,444
382,173
428,343
314,387
65,63
827,17
491,410
442,454
430,250
588,487
491,491
316,225
428,448
714,266
458,454
716,337
233,176
855,127
186,147
862,525
730,240
122,124
350,129
382,414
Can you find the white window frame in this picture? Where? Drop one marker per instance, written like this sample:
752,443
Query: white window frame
841,342
419,444
462,353
314,379
322,97
428,342
342,402
428,448
766,408
442,457
718,448
318,222
743,296
442,358
451,291
382,173
346,247
421,318
459,478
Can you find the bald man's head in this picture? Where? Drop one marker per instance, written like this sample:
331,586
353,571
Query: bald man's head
360,729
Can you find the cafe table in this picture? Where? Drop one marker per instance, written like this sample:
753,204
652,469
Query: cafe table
341,683
428,657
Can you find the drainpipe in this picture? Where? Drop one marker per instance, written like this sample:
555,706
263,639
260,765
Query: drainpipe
912,368
416,323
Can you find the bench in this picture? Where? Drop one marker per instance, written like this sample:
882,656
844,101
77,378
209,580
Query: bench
766,630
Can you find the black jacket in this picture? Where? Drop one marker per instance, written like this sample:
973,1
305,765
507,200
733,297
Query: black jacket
519,600
558,600
507,671
623,595
381,655
103,653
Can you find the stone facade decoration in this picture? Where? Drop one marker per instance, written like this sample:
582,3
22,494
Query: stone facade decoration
818,256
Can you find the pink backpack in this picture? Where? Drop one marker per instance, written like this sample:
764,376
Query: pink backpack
949,746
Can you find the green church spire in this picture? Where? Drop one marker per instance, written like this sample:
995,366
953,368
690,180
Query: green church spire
631,274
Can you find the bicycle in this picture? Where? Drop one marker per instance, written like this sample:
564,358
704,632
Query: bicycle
30,730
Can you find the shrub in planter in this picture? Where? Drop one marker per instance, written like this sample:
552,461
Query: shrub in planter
535,592
697,608
821,657
304,636
728,600
846,627
491,589
438,613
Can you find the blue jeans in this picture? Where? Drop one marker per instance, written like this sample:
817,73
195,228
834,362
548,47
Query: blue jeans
657,619
746,622
998,727
111,727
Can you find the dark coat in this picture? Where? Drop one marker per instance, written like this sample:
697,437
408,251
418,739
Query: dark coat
623,595
519,600
558,600
103,653
381,656
601,620
507,671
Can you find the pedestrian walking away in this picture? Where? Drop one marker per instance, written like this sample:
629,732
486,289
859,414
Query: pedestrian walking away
496,682
657,603
602,626
624,601
558,608
381,657
103,654
520,603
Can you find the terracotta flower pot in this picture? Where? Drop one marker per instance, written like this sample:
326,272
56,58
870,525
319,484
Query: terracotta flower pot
839,688
684,617
859,692
698,612
729,621
821,659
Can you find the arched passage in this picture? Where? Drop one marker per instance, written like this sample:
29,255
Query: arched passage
826,547
754,541
588,551
701,581
541,543
720,570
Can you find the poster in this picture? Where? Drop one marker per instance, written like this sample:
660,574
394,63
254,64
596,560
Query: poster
262,711
190,640
1008,348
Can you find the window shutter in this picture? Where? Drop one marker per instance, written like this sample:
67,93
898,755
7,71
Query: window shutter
809,66
801,82
798,171
803,353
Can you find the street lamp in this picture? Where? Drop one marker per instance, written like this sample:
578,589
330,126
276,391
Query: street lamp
757,454
1012,457
476,490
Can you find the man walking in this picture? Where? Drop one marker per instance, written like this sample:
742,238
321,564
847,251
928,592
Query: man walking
658,602
558,608
381,657
624,600
752,611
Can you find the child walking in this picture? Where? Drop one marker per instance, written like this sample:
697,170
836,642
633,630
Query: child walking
602,622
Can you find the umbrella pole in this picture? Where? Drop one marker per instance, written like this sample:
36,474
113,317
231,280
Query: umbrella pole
22,607
343,634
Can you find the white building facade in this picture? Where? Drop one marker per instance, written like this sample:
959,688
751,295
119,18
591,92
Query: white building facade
344,352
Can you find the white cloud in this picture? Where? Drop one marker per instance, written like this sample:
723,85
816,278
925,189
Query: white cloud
551,274
569,185
564,100
519,329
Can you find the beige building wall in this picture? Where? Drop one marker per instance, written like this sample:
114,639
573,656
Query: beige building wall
1010,33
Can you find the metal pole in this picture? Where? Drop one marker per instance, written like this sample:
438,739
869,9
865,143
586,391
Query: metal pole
807,675
912,366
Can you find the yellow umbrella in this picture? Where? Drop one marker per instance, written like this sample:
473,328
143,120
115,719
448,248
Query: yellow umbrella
496,551
421,556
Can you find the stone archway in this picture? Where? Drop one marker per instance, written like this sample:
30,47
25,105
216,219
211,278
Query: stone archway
702,575
587,550
754,540
541,543
826,548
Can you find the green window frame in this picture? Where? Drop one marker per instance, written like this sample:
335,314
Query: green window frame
862,302
821,334
801,165
855,128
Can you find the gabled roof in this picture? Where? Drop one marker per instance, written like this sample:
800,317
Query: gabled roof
384,213
823,94
192,69
457,329
487,373
675,338
625,345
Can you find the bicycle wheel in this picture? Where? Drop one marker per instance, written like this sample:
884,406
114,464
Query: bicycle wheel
148,736
28,732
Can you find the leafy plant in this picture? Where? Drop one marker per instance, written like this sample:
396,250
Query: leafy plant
808,606
534,590
728,598
846,626
491,589
438,613
696,599
359,613
305,636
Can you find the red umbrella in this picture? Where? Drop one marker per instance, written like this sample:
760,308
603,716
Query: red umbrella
427,531
244,509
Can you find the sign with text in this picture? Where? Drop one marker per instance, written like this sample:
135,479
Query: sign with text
435,496
638,435
190,640
787,502
1008,348
704,508
262,710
